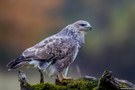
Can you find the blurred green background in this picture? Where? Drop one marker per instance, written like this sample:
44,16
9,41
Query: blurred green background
109,46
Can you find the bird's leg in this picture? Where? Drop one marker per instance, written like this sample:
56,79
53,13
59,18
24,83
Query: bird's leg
41,76
64,76
66,71
59,77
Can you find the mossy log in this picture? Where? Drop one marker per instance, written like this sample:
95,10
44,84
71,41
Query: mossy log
106,82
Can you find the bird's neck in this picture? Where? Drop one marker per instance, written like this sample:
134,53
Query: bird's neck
71,32
80,38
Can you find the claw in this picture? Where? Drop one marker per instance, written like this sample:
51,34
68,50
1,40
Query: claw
64,77
61,77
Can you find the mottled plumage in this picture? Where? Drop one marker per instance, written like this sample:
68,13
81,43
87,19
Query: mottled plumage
55,53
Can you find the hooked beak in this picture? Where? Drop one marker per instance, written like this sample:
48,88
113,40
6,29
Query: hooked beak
89,28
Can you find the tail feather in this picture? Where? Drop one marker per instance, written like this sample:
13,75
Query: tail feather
16,63
21,61
11,63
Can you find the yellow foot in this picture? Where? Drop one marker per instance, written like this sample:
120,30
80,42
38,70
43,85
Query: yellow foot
61,77
65,78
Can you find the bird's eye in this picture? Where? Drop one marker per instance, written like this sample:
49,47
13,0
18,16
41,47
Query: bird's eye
82,24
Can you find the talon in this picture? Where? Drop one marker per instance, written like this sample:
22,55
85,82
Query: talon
61,77
65,78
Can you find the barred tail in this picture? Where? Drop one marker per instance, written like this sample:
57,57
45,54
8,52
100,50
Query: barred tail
16,63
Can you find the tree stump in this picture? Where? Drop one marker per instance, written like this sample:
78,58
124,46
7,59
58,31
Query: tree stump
106,82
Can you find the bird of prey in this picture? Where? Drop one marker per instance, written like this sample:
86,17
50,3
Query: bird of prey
54,54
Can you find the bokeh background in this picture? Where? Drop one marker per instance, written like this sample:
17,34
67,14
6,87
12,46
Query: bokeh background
109,46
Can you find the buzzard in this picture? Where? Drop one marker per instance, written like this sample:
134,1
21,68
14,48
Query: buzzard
54,54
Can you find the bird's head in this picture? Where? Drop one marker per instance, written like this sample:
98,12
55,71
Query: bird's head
82,26
76,29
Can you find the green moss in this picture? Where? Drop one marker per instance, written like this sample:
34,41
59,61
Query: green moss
106,82
80,84
48,86
123,85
